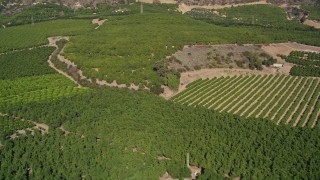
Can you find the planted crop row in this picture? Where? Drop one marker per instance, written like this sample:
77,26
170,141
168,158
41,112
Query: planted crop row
286,101
221,97
315,116
190,87
245,93
283,99
41,95
235,92
26,63
212,92
296,117
228,103
210,87
305,55
279,89
208,100
297,103
266,97
257,99
22,85
306,118
251,94
190,90
226,87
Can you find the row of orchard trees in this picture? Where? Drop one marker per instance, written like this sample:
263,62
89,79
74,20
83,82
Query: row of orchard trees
121,134
306,63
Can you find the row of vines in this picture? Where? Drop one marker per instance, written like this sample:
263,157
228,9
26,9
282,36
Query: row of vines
282,99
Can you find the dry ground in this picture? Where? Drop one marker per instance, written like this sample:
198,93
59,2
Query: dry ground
98,22
185,8
216,56
312,23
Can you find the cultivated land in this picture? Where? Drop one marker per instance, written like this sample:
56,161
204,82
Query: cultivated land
282,99
77,94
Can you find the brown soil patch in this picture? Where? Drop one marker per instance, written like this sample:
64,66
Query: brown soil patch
160,158
216,56
135,149
312,23
54,40
160,1
98,22
194,171
167,176
185,8
64,130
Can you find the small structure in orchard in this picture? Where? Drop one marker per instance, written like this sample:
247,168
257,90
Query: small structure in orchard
277,65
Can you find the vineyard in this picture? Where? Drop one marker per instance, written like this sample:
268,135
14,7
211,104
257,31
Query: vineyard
282,99
36,89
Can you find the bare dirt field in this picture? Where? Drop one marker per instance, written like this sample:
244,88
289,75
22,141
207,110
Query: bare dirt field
98,22
160,1
312,23
185,8
216,56
272,49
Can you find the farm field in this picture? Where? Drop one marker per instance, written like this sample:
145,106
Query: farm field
79,93
36,88
28,36
133,55
289,100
